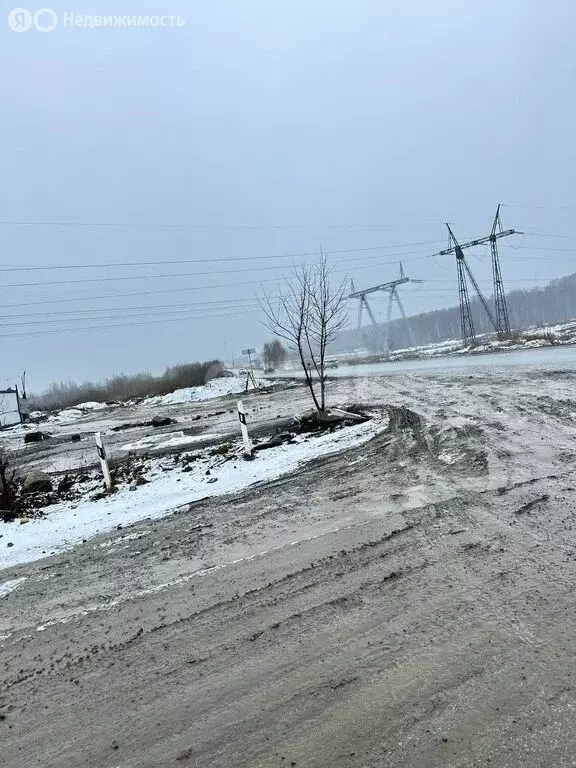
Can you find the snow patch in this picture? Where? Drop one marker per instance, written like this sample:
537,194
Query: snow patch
166,441
67,524
10,586
215,388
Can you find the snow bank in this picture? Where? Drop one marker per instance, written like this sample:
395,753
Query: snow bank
91,406
215,388
69,415
67,524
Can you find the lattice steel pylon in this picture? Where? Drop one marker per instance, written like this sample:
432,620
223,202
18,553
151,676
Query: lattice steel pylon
501,326
382,337
502,319
466,320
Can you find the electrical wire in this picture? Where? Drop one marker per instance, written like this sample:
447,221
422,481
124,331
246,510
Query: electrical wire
210,273
113,265
183,226
85,329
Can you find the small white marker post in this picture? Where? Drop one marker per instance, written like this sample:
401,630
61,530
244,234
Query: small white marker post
103,460
244,428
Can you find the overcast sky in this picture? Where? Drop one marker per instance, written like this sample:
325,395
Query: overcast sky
268,128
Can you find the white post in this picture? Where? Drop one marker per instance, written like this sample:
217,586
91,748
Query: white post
244,428
103,460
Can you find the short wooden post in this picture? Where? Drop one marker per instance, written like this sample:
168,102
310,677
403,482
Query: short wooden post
244,428
103,460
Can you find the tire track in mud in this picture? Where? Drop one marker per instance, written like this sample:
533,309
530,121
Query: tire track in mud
292,585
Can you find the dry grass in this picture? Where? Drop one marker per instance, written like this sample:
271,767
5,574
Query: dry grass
122,387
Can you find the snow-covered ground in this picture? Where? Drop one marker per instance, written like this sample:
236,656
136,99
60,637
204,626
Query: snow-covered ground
213,389
168,488
529,338
170,440
69,415
216,388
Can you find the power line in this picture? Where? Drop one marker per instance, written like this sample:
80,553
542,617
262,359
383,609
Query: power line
210,273
552,250
163,310
136,293
117,317
542,234
183,226
119,313
539,207
220,304
111,265
123,325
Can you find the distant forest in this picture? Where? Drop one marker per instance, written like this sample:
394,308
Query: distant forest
553,303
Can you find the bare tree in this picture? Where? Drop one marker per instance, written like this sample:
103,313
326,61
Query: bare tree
8,487
309,313
273,353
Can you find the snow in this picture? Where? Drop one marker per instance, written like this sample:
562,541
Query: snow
563,333
10,586
67,524
92,406
171,440
73,414
215,388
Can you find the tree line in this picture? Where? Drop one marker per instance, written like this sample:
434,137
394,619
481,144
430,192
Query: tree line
547,305
125,387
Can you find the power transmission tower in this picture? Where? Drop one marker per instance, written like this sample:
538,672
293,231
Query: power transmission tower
502,320
382,338
466,322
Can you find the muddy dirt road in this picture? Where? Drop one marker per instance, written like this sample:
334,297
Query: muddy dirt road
408,603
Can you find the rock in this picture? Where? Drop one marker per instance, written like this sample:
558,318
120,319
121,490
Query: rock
75,438
349,416
37,482
275,442
65,484
137,482
162,421
213,480
317,421
10,544
34,437
24,520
